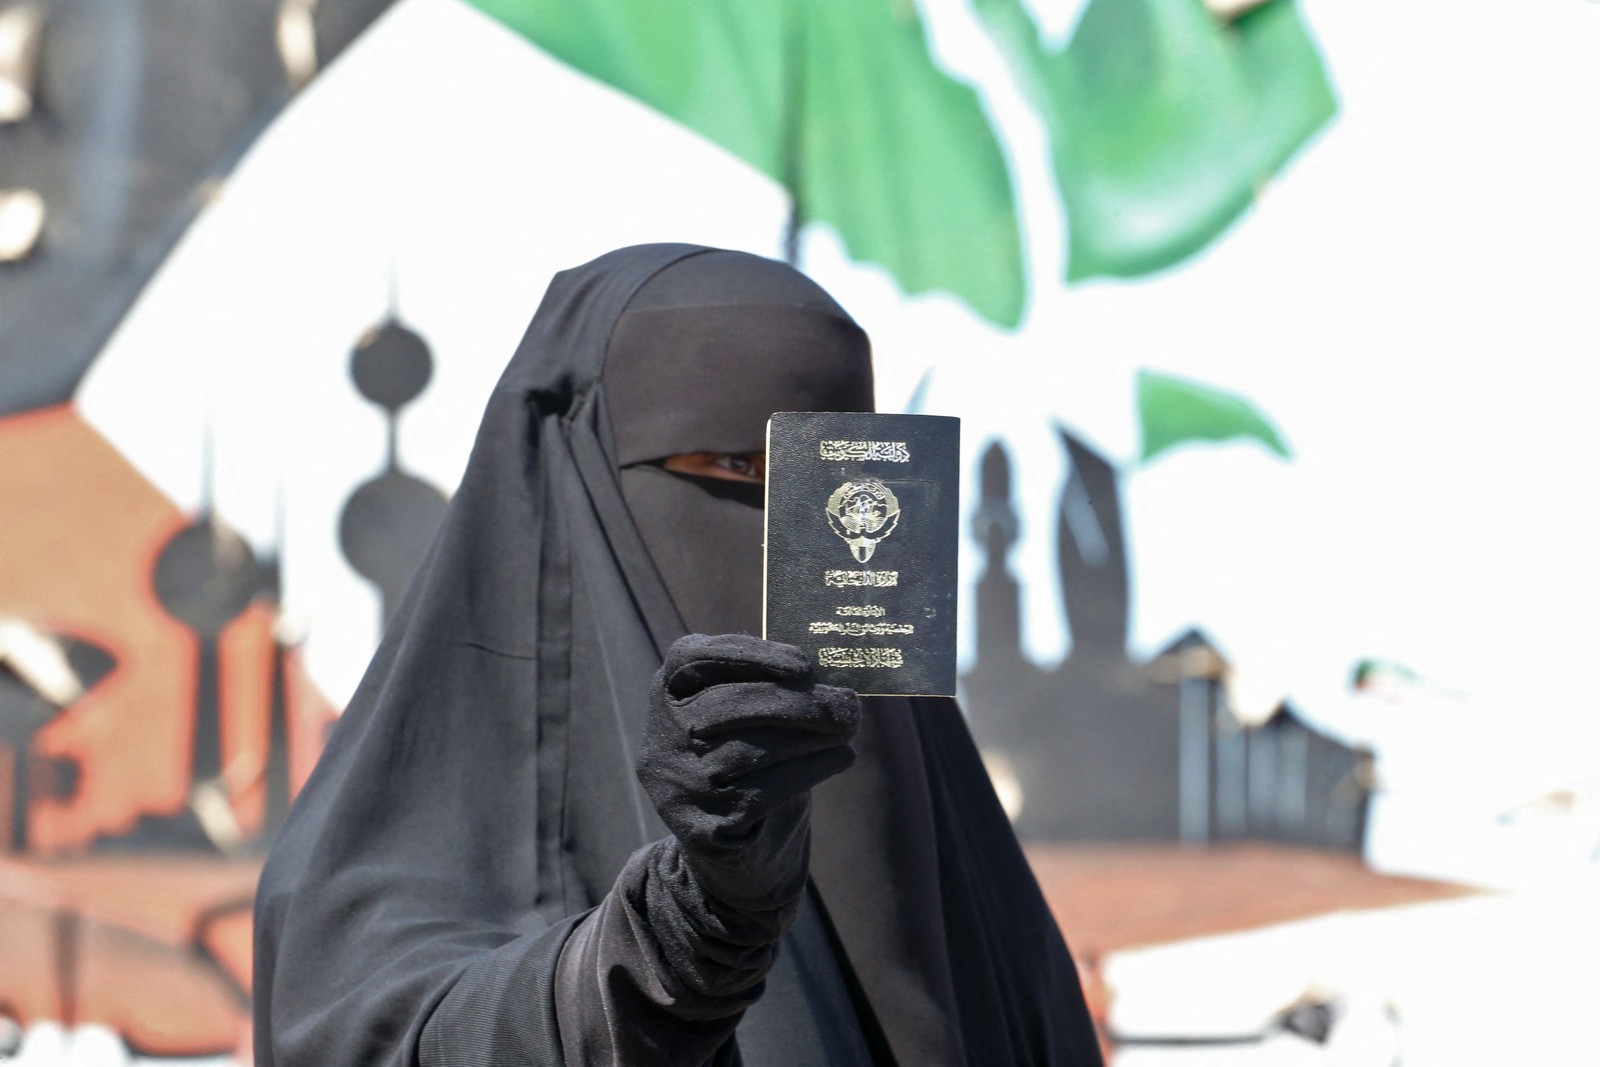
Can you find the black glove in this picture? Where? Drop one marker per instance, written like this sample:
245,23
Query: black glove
738,732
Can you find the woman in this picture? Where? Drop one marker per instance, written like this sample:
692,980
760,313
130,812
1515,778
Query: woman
552,829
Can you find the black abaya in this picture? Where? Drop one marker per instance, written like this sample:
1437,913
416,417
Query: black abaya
477,802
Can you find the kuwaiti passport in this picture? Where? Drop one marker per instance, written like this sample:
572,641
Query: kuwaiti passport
862,521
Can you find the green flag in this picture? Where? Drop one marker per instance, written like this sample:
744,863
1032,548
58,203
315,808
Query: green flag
1165,120
837,99
1174,412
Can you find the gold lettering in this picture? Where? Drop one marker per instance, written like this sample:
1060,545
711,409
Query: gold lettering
860,657
862,629
845,579
886,451
871,611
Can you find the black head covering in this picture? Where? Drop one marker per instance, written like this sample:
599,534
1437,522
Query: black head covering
706,351
712,345
478,794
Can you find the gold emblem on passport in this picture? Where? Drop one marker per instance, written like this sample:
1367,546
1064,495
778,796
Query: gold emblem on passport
863,513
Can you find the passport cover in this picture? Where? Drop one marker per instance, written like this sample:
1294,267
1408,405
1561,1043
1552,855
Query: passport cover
862,514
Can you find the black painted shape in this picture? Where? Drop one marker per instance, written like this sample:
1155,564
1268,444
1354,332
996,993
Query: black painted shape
1280,780
339,22
140,103
56,778
1094,564
1107,749
389,521
1208,740
1305,787
205,577
1312,1018
995,527
276,770
1004,690
385,531
391,366
88,661
277,767
1093,744
23,713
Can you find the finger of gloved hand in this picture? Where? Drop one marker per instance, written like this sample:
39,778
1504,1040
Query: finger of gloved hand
697,812
766,866
697,661
709,781
737,806
778,782
737,707
736,757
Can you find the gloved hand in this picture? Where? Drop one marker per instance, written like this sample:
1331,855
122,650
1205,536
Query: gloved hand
737,734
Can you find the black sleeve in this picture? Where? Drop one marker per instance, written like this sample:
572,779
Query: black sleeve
660,973
504,1006
657,974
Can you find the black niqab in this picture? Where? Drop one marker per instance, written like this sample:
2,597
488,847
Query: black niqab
478,795
710,347
706,351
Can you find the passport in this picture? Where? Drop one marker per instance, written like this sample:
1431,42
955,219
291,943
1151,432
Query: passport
861,526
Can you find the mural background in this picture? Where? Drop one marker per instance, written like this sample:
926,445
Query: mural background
1279,316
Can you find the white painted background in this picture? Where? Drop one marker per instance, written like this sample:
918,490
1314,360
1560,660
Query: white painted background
1412,303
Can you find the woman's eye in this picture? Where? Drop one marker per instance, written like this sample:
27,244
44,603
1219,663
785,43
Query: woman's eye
737,464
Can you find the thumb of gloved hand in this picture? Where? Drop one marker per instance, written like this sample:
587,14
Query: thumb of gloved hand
738,732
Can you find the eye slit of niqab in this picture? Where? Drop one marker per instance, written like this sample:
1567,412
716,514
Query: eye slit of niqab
745,467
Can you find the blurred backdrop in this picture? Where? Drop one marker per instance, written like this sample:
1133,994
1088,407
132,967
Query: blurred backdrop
1271,326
